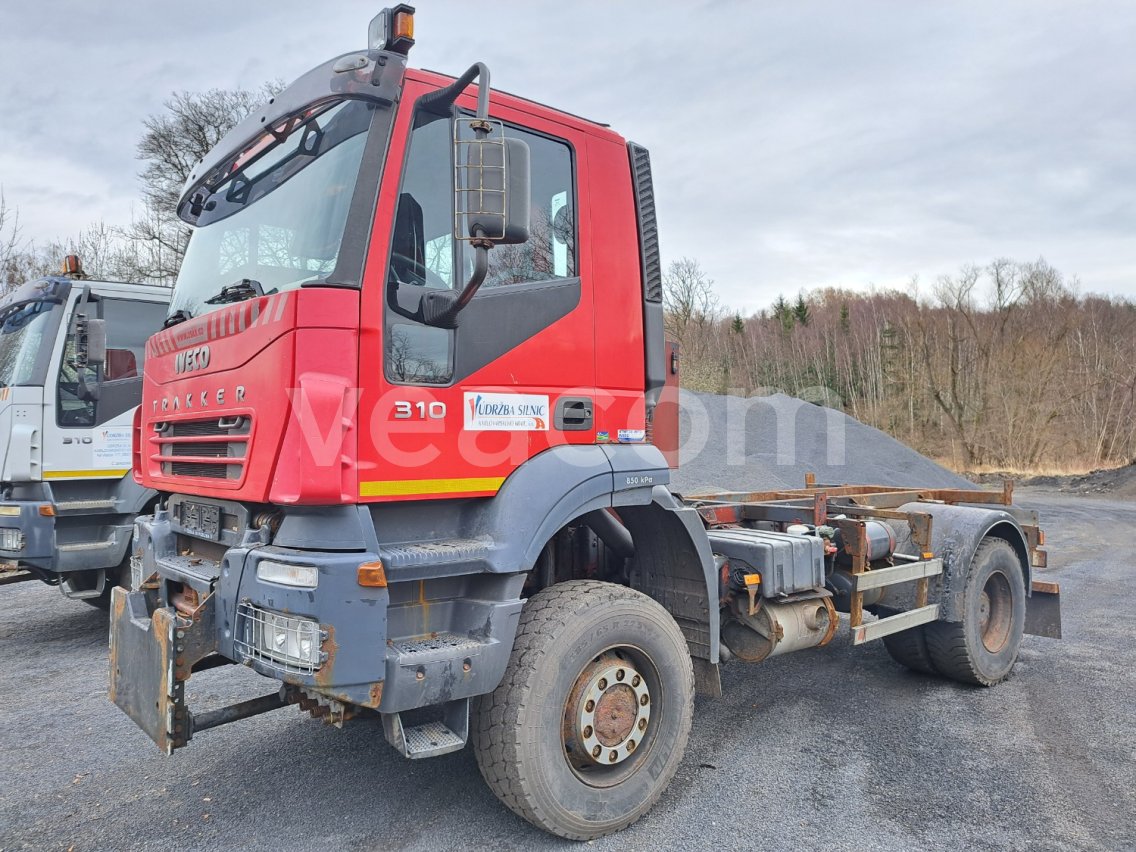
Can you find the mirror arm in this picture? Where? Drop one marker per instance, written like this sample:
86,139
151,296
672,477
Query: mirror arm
442,100
480,269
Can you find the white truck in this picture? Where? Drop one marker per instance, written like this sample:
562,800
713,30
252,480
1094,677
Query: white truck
71,354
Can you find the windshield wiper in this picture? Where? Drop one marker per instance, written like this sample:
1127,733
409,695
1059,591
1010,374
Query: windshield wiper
178,316
246,288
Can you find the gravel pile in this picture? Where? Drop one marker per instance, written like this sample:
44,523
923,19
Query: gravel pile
771,442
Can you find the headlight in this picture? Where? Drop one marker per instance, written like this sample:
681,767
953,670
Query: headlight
10,511
11,539
302,576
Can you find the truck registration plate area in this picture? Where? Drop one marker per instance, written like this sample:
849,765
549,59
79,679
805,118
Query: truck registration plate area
200,519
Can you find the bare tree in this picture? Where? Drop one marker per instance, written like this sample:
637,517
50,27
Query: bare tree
688,298
173,142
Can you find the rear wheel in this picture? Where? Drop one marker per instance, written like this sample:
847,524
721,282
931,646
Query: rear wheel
909,649
591,719
983,647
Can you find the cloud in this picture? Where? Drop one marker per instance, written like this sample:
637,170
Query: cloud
795,145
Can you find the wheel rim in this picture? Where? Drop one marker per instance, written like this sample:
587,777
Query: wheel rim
995,612
608,714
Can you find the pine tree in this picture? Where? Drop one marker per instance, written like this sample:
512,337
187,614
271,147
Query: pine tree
801,310
738,325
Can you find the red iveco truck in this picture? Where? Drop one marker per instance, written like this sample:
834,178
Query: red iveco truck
403,420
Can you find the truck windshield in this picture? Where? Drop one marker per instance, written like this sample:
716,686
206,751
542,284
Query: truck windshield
26,332
279,221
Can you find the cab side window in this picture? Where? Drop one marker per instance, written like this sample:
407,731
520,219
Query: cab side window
128,325
424,254
550,252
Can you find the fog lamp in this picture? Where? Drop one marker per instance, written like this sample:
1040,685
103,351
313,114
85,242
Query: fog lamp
284,574
11,539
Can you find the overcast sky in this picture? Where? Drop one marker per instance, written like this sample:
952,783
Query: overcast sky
795,145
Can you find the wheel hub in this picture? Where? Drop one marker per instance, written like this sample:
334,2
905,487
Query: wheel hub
609,709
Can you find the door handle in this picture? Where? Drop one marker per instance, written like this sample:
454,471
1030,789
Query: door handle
573,414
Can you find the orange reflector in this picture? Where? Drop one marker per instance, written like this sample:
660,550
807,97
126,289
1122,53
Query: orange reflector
47,510
403,26
752,579
928,554
372,574
1041,538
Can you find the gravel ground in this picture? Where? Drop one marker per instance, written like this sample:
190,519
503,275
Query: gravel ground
837,748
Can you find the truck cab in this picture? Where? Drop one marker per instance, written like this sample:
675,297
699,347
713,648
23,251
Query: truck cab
71,360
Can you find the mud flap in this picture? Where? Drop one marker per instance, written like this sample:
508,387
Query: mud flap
1043,610
152,652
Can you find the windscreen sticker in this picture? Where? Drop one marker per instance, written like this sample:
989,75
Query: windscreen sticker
112,446
505,412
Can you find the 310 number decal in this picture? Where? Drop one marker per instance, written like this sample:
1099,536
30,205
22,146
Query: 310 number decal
404,410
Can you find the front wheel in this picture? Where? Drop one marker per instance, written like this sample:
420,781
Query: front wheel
983,647
591,719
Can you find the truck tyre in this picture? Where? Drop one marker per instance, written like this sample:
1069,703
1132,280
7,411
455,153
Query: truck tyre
982,648
591,719
909,649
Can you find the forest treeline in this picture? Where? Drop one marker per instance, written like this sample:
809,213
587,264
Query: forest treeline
1004,366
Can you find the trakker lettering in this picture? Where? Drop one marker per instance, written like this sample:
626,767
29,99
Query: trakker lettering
196,399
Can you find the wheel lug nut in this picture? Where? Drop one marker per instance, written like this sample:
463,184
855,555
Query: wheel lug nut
587,731
644,700
619,674
613,756
631,745
596,751
635,680
602,684
642,724
590,705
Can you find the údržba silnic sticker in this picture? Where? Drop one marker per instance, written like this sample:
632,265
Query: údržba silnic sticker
505,412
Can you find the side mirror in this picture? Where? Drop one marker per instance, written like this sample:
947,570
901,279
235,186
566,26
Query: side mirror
492,183
90,341
491,191
94,342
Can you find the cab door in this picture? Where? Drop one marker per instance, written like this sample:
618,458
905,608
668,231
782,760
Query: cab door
453,411
88,438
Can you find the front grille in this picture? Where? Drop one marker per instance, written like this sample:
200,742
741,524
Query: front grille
190,447
217,449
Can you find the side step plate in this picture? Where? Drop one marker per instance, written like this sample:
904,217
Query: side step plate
430,739
894,624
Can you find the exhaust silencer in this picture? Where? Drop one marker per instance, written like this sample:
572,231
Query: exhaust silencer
778,628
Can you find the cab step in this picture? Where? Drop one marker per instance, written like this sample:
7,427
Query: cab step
448,556
894,624
430,739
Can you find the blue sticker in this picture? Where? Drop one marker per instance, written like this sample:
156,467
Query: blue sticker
632,436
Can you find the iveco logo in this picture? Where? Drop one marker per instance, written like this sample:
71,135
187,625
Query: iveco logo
192,359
